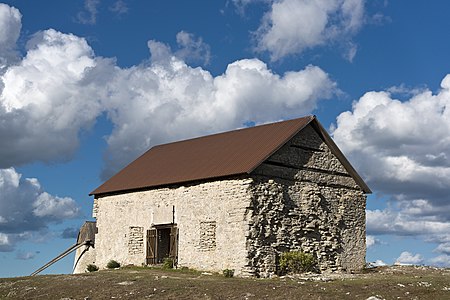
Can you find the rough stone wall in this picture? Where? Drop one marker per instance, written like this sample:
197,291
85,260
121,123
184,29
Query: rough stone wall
304,199
210,216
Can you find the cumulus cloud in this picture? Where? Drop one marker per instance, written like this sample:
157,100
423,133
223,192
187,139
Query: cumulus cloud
48,98
402,149
10,25
25,207
169,100
407,258
291,26
192,49
60,88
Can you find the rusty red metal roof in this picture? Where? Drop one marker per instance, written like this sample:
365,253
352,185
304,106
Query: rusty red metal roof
213,156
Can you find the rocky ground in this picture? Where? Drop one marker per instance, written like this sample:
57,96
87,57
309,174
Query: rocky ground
395,282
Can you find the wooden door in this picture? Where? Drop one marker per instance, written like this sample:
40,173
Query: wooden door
151,247
173,254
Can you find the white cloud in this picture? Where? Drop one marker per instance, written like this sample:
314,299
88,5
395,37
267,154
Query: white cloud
169,100
371,241
10,25
292,26
25,207
378,263
407,258
391,221
60,88
192,49
402,149
47,205
442,261
48,98
6,244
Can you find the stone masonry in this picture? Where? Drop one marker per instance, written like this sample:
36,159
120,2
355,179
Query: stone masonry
304,200
136,240
300,198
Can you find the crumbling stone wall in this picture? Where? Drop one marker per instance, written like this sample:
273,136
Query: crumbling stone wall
304,199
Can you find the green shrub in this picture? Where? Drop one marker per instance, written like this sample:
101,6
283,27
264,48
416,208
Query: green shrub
297,262
112,264
228,273
167,263
91,268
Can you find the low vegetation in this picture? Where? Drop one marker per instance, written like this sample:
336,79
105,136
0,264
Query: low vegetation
168,263
228,273
91,268
296,262
112,264
156,283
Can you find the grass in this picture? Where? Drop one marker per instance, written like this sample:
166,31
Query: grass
156,283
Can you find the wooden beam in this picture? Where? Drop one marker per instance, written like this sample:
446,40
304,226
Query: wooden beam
289,166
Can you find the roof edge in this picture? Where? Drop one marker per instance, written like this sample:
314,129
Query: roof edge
146,188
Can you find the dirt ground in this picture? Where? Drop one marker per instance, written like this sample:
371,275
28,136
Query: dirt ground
396,282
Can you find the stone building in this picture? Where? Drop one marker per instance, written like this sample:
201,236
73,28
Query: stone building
235,200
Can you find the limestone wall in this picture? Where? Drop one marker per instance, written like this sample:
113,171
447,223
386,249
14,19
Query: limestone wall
210,217
304,199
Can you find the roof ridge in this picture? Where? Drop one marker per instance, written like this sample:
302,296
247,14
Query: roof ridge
233,130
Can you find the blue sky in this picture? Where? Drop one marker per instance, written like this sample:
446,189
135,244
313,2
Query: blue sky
87,86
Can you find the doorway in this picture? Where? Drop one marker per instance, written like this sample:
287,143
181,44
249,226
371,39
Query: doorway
162,242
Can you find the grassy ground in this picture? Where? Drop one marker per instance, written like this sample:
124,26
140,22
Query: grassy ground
146,283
